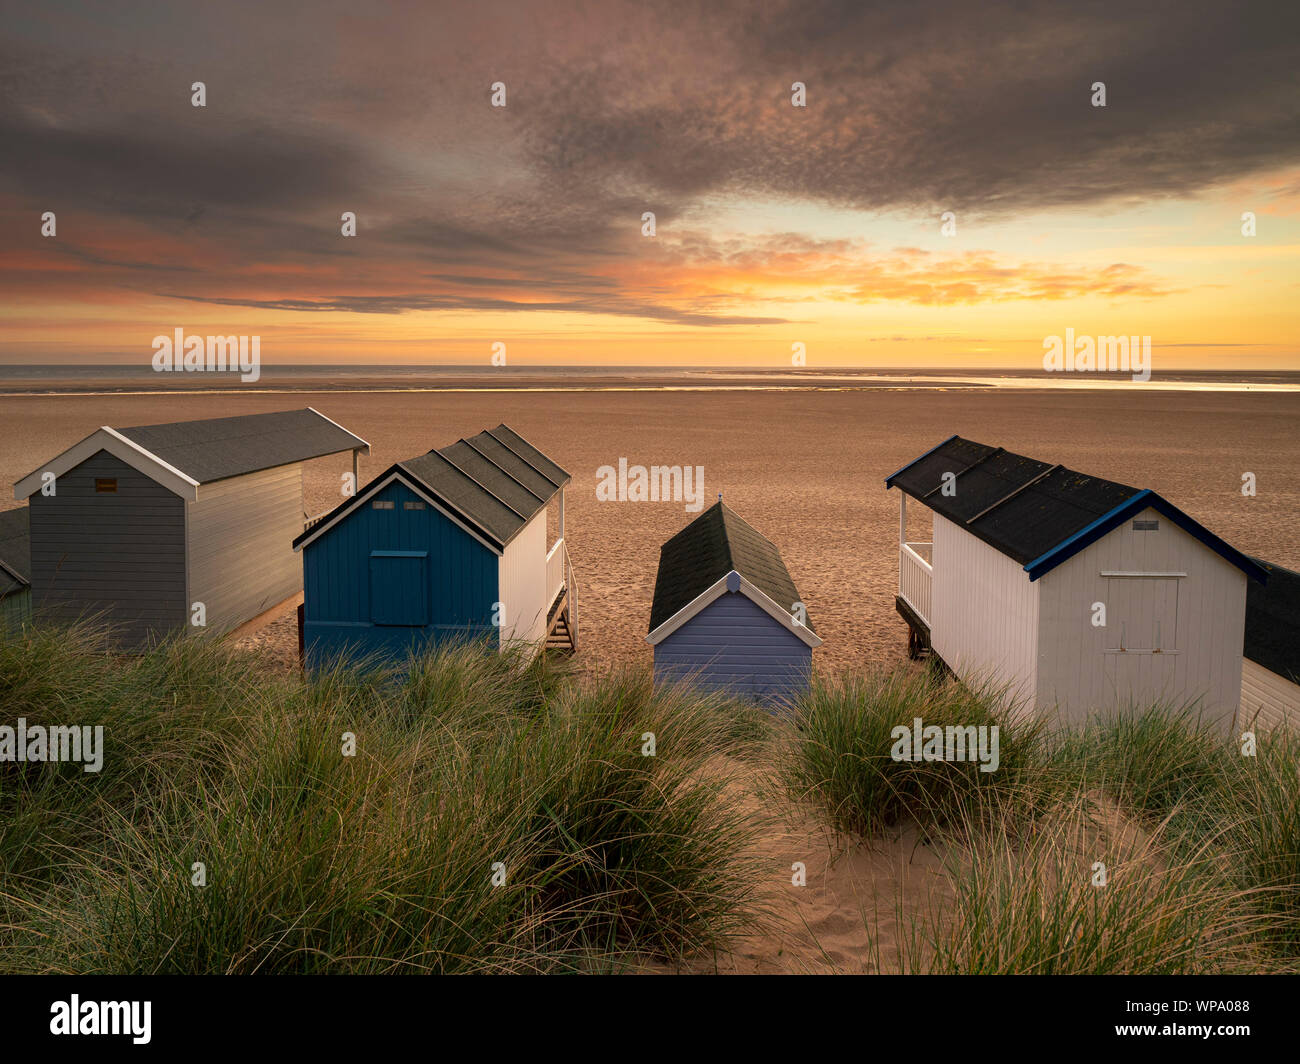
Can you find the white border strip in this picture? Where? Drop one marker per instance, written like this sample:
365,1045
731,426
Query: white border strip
107,439
373,489
756,595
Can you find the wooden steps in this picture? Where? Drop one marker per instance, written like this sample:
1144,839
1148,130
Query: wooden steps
561,635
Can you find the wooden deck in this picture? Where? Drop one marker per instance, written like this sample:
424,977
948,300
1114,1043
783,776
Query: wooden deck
918,632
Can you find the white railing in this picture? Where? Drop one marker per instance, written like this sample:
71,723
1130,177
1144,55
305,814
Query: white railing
557,563
572,584
914,576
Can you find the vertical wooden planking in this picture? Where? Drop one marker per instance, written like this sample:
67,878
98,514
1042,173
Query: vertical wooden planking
985,622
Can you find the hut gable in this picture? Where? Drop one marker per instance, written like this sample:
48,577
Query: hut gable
697,560
714,544
182,455
492,484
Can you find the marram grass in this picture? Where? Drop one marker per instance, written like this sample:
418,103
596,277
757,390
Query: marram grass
501,815
494,817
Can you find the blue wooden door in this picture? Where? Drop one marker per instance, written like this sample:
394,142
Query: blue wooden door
399,588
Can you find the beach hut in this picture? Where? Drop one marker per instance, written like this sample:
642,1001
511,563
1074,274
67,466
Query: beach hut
1070,592
1270,667
157,528
726,614
15,568
449,544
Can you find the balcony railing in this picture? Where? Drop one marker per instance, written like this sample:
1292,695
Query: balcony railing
915,571
557,566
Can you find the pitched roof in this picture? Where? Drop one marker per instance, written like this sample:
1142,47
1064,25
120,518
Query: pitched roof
222,447
15,550
1273,622
705,551
185,454
495,482
1036,513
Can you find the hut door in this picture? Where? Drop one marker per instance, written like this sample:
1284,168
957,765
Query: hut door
399,583
1141,637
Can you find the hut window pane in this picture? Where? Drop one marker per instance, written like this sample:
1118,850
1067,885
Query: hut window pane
1146,526
408,505
382,504
106,485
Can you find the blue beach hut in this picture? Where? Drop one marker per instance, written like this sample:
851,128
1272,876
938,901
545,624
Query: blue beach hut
449,544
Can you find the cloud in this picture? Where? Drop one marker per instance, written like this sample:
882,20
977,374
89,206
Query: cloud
613,109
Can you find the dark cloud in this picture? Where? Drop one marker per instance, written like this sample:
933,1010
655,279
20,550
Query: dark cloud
396,304
613,109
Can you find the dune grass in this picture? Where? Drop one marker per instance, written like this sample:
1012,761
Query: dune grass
1083,891
1199,843
494,817
841,757
495,813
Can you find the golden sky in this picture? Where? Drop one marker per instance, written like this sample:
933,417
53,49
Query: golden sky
775,225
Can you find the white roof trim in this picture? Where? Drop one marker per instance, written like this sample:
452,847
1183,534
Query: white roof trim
107,439
374,489
365,446
757,596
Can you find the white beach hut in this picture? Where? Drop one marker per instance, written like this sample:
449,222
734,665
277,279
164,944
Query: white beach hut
1073,593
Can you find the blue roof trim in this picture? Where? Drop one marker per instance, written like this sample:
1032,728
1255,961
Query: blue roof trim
1144,499
915,460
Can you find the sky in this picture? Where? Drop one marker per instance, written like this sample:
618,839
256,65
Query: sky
774,224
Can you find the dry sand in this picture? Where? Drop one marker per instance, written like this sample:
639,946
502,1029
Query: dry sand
806,468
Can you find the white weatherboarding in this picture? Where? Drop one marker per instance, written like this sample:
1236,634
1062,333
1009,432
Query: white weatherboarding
1070,593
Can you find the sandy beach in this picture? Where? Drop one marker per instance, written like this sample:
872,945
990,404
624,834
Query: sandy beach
805,467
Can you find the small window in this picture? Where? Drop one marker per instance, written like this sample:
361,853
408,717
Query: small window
416,505
1146,526
382,504
106,485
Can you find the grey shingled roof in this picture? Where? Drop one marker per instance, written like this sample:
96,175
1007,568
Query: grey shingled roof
496,482
15,550
705,551
218,448
1273,621
1018,505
